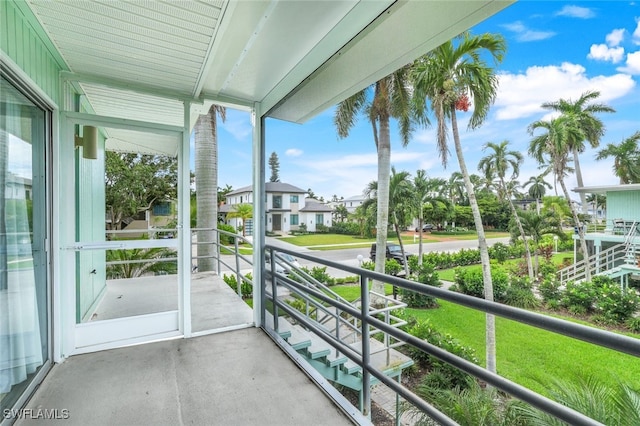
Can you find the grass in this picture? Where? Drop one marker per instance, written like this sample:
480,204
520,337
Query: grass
449,274
528,355
339,241
352,292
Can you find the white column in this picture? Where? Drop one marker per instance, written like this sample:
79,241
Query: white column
184,226
259,199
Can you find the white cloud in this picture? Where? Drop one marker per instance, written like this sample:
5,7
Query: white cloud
525,34
633,64
520,95
636,33
576,12
293,152
238,124
601,52
615,37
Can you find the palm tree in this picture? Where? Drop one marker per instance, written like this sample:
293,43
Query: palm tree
498,163
421,193
592,129
538,225
555,145
243,212
599,203
390,99
455,188
448,77
206,164
131,263
537,188
626,158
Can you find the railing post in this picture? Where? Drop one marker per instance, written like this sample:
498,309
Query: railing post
238,274
217,252
274,291
366,349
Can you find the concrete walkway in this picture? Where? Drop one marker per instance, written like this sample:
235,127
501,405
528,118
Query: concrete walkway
234,378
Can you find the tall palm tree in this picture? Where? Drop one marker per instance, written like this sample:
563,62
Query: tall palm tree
626,158
206,163
455,188
536,226
537,188
582,113
498,163
555,144
449,77
386,99
427,196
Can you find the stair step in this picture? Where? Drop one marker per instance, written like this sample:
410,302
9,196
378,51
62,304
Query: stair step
351,367
318,348
334,359
299,338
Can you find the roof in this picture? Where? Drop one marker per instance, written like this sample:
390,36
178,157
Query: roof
271,187
355,198
608,188
293,59
313,205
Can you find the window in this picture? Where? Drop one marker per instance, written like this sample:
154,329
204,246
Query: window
293,219
319,219
277,201
293,199
162,209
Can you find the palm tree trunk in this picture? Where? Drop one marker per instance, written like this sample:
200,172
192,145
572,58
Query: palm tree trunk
382,222
583,196
522,233
420,221
406,266
490,333
583,242
206,164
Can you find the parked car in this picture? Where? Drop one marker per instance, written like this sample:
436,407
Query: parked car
282,267
427,227
393,252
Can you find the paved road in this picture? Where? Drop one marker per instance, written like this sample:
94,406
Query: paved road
350,256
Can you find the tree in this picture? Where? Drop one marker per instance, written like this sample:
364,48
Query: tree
274,165
598,202
537,226
429,203
340,213
242,212
139,268
555,144
449,77
498,163
133,182
310,193
537,188
386,99
582,114
222,193
626,158
206,164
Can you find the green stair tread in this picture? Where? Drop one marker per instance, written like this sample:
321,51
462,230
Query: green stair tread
335,359
299,338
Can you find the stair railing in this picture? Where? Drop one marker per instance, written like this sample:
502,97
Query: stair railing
600,262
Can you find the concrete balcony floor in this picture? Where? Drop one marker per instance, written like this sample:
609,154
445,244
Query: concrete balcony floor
235,378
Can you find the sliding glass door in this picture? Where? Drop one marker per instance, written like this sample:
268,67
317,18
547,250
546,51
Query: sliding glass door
24,325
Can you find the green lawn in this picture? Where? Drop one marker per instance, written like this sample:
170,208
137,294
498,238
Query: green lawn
525,353
449,274
352,292
339,241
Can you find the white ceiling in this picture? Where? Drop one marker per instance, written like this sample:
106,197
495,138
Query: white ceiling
141,58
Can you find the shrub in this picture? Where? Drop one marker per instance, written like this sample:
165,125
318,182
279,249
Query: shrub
224,238
345,228
392,267
520,294
634,324
578,298
499,252
322,229
614,304
550,289
424,274
471,282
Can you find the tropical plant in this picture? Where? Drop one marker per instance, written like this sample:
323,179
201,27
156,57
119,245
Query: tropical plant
206,168
243,212
537,188
498,163
626,158
390,99
429,202
134,263
582,116
536,226
450,77
556,144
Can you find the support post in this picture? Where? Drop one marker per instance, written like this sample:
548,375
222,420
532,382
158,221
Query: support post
259,214
365,392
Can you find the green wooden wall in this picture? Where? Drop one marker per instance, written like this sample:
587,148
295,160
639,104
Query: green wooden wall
24,41
623,205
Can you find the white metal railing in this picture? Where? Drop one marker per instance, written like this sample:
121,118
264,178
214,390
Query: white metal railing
599,262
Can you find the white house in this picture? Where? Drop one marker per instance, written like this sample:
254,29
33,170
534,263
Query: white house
353,202
286,208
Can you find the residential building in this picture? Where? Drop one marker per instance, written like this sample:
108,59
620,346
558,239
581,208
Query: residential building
353,202
286,209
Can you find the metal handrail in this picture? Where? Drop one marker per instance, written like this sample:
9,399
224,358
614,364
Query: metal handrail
599,337
602,261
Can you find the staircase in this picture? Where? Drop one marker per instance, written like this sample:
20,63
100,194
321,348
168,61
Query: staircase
614,262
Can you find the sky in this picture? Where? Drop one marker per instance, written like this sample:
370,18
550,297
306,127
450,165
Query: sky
555,49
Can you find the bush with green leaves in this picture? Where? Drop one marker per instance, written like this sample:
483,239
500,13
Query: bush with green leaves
424,274
578,298
224,238
345,228
499,252
615,305
549,289
471,282
520,294
633,324
246,289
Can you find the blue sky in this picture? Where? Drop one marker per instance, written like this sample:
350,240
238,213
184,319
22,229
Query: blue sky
556,50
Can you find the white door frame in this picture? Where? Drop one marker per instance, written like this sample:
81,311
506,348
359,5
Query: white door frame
100,335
